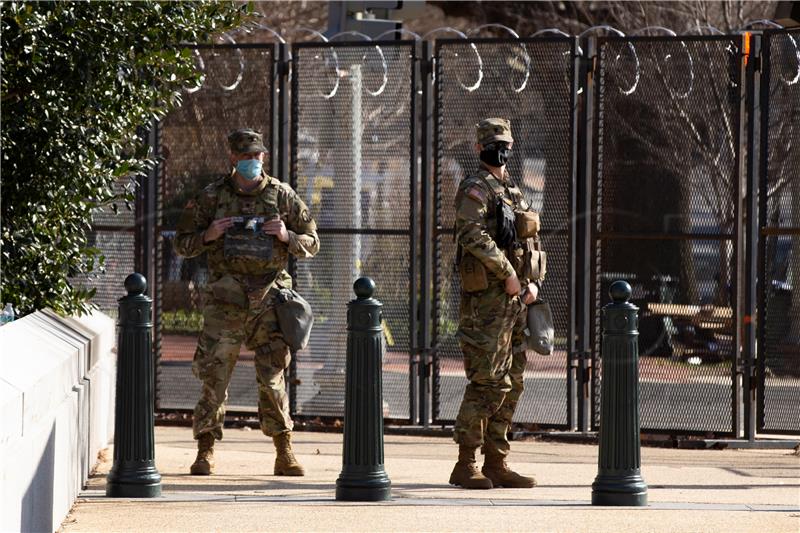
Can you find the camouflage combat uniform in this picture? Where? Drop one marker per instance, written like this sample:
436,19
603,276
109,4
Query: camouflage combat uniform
240,297
491,323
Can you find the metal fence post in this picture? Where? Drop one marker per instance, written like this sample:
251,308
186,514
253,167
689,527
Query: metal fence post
619,480
134,474
363,477
414,268
751,240
738,364
574,264
429,392
155,271
581,358
285,97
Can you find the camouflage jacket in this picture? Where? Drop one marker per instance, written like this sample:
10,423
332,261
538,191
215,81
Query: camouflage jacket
223,198
475,223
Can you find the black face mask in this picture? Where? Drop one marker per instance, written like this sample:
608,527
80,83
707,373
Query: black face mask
495,156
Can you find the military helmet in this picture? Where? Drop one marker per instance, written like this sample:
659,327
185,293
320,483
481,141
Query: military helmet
246,141
493,129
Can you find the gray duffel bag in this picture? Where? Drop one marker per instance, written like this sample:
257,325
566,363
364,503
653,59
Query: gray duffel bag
540,330
294,318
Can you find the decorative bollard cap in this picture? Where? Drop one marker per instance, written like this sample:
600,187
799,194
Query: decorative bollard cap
135,284
620,291
364,288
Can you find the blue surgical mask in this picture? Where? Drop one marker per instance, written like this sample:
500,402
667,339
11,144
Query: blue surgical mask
249,168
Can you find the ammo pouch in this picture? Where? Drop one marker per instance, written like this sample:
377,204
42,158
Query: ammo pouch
527,224
540,330
294,318
473,274
534,263
506,232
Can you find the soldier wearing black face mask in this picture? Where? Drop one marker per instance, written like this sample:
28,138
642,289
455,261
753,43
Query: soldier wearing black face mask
496,154
501,266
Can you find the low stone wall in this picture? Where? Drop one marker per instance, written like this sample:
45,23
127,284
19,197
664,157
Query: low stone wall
57,382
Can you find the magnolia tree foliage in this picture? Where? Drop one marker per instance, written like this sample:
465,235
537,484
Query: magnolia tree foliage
78,80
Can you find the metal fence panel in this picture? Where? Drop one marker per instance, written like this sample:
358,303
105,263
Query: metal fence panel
779,354
352,120
667,167
114,233
528,81
667,162
117,243
236,93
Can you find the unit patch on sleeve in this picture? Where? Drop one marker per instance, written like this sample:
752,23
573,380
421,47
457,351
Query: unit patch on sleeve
476,194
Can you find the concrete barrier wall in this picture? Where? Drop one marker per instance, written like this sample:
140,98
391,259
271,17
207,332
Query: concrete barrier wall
57,382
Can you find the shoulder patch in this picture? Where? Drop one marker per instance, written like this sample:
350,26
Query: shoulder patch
214,186
190,204
476,194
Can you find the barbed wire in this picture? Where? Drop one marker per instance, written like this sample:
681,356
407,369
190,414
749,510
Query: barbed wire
763,22
470,36
701,27
657,28
668,57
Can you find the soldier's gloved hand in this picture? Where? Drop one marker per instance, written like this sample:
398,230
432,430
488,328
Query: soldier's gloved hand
512,285
530,294
276,227
217,229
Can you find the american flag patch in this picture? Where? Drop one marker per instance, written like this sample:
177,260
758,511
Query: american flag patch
476,194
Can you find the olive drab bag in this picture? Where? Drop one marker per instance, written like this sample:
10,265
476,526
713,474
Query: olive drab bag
295,318
540,331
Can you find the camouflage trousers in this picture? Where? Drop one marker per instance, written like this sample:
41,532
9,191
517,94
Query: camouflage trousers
492,338
233,315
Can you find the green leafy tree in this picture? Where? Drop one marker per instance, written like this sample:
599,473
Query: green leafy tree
78,80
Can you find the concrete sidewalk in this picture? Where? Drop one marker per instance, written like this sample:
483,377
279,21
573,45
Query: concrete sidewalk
689,490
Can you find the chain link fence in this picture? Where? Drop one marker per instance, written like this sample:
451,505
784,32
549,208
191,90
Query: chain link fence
114,233
667,167
236,92
666,160
779,368
531,83
353,113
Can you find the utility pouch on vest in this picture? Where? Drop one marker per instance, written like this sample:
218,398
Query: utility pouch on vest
535,264
473,274
527,224
295,318
246,240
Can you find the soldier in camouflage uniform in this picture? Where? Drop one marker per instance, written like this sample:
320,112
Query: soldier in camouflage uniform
248,224
501,266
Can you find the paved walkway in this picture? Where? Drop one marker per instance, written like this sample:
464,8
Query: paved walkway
689,490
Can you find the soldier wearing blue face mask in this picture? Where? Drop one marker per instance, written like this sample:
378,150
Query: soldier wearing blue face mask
248,224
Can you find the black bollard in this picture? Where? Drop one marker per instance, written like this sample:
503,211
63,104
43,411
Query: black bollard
134,474
363,477
619,480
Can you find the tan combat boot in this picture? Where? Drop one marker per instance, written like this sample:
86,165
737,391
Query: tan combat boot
204,464
285,463
496,469
465,473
